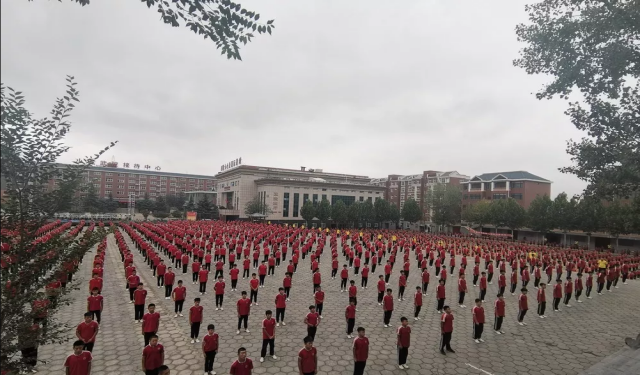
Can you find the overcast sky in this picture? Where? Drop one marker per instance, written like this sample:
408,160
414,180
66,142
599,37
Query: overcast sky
359,87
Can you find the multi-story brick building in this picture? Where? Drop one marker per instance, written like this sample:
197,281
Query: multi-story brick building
519,185
398,188
120,182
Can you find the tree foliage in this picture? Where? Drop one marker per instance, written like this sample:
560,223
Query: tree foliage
91,201
367,212
323,211
160,205
592,46
176,201
540,216
394,214
225,23
381,209
308,211
339,213
354,213
411,211
478,213
33,257
257,206
444,202
109,204
207,210
617,219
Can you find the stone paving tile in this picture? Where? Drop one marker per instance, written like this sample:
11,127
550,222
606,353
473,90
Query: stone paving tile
565,343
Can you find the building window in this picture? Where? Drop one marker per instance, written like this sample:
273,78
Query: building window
361,199
315,199
305,197
499,196
517,196
517,185
120,193
296,204
475,197
109,179
324,196
107,192
108,186
500,185
346,199
285,205
107,174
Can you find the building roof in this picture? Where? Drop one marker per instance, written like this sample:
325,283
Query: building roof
289,181
143,171
308,172
514,175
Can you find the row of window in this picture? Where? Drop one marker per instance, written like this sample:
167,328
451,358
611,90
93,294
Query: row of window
517,196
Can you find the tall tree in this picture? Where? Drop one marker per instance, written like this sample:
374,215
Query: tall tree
257,206
368,212
160,205
618,219
540,215
91,202
354,213
190,206
565,212
145,206
591,46
225,23
323,211
590,213
515,216
176,201
444,203
109,204
206,210
30,147
478,213
339,213
411,211
381,210
394,215
308,211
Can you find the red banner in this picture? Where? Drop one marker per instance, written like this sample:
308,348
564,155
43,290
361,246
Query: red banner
476,233
192,215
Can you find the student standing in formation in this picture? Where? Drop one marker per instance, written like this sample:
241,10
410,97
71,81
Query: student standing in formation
542,300
281,305
203,276
195,319
79,362
268,336
161,270
312,321
353,293
568,291
404,341
95,304
402,284
499,308
579,287
132,284
360,352
381,288
462,290
152,357
319,300
308,358
150,323
219,288
446,328
286,284
478,321
417,303
557,295
262,273
178,295
514,282
350,315
483,286
244,309
365,276
344,277
139,299
502,282
169,278
589,285
440,295
387,307
234,273
523,306
87,332
254,284
210,349
195,271
537,275
425,280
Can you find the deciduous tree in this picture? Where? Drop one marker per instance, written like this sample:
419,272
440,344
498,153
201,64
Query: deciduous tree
354,213
368,212
323,211
381,209
590,216
444,202
411,211
206,210
308,211
540,216
339,213
565,213
257,206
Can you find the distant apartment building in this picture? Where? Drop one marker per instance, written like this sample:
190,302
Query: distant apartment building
398,188
284,191
119,182
522,186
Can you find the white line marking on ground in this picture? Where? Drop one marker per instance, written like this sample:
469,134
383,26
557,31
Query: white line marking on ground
478,368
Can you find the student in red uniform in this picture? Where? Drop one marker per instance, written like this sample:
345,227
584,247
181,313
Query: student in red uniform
417,303
360,352
350,315
244,309
79,362
308,358
542,299
234,272
139,299
312,321
195,319
195,270
203,276
462,291
568,291
281,306
387,307
483,286
246,264
502,281
152,357
161,270
381,288
446,329
262,273
478,321
523,306
404,341
95,304
557,295
499,309
87,332
178,295
589,285
96,282
132,284
169,278
219,288
579,287
210,348
150,323
254,284
287,282
268,336
319,300
440,295
353,293
242,365
425,280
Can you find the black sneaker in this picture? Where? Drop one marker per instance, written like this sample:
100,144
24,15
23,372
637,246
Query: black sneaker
443,352
451,350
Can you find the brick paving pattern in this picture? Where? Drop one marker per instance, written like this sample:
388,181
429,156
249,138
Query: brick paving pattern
565,343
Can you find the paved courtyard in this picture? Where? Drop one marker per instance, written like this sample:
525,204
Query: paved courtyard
565,343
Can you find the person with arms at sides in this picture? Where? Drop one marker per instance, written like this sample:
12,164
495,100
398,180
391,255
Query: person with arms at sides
161,270
387,307
152,357
350,315
360,352
210,349
446,328
234,273
381,288
281,306
219,288
203,276
262,273
268,336
440,296
462,291
502,282
417,303
254,284
164,370
319,300
132,284
579,287
246,265
243,307
353,293
514,282
286,284
557,295
589,285
499,309
568,291
478,321
308,358
195,270
178,295
243,365
79,362
344,276
404,341
542,299
150,323
483,285
365,276
195,319
95,304
87,332
312,321
402,284
139,299
169,278
96,283
523,306
425,280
